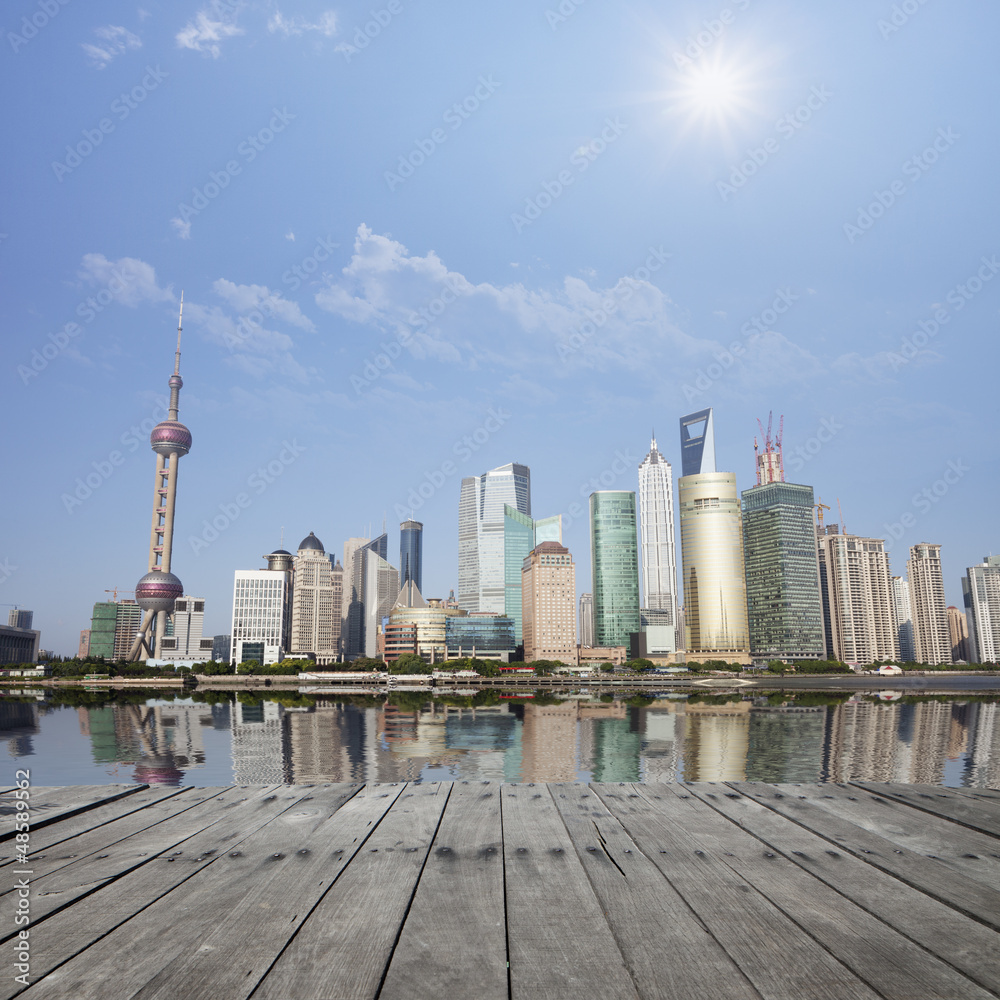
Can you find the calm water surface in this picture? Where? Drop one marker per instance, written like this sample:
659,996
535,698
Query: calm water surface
258,739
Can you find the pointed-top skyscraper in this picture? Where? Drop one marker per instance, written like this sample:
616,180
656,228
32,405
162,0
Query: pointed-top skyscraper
156,592
658,551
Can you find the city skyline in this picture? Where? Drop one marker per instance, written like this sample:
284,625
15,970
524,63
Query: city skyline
795,216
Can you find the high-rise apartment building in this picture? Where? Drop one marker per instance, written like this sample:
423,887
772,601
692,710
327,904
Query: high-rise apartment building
981,596
260,599
586,619
521,533
959,629
16,618
411,553
859,588
83,650
548,596
904,618
614,562
931,635
113,628
317,600
658,550
715,598
481,533
782,572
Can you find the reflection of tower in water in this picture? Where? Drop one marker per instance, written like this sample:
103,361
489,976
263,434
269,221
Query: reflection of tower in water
716,740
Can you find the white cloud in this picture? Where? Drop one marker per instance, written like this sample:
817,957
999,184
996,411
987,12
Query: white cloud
182,227
290,236
114,41
248,298
129,280
204,34
326,24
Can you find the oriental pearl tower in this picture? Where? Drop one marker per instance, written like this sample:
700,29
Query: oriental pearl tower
156,592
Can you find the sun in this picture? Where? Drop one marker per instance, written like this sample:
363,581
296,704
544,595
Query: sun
712,91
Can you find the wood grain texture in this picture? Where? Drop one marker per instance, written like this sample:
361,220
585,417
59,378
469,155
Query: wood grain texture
954,808
51,804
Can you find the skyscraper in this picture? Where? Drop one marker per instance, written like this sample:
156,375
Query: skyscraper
521,533
411,553
715,598
782,573
260,600
981,596
656,522
187,640
113,628
156,592
317,598
931,635
17,618
959,629
904,618
614,561
481,533
548,595
586,619
374,589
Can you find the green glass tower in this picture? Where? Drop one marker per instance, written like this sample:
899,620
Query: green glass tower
782,573
521,533
614,559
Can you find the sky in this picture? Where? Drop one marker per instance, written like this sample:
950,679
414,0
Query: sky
418,241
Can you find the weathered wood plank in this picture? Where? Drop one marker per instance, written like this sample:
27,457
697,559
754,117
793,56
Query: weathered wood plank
668,951
559,941
50,804
976,816
975,854
343,949
953,937
891,964
454,941
932,877
776,955
230,921
72,930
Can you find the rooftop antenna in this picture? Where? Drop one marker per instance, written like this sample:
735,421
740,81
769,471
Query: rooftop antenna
180,319
281,545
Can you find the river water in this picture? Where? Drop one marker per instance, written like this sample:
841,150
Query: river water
218,738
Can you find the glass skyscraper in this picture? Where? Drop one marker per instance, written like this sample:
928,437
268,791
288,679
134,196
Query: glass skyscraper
521,534
481,506
614,559
656,521
782,573
411,553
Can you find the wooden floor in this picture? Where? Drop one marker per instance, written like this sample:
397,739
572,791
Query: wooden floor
471,891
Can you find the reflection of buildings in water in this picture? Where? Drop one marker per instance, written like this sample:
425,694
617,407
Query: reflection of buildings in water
161,740
18,723
716,740
617,744
486,735
662,742
962,716
785,744
258,743
548,742
983,770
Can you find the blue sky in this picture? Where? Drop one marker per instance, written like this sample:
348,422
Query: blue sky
563,224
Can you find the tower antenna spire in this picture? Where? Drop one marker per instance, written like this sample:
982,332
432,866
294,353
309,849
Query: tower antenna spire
180,318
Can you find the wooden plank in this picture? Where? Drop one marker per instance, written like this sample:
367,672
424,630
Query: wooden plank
668,951
57,833
932,877
956,939
343,949
67,933
559,941
976,854
777,956
230,921
49,804
459,901
976,816
892,965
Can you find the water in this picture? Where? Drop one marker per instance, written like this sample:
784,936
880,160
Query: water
219,738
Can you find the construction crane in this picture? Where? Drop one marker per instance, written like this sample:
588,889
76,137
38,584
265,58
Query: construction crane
114,593
843,527
770,466
820,507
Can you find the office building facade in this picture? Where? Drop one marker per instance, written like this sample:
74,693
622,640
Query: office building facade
186,642
784,609
521,533
614,560
586,619
411,553
548,596
18,618
486,636
259,616
981,596
317,601
113,628
657,546
931,634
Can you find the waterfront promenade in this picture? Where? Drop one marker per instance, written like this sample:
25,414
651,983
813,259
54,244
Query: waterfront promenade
480,891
